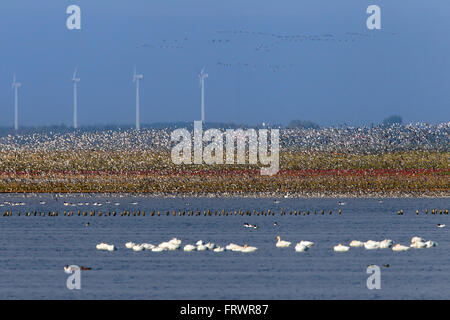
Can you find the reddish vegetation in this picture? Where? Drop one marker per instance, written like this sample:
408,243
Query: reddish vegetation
402,173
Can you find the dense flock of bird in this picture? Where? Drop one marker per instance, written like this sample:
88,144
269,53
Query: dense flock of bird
378,161
302,246
416,243
363,139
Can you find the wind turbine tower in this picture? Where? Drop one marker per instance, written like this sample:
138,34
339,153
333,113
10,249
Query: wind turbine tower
201,78
75,99
16,86
137,78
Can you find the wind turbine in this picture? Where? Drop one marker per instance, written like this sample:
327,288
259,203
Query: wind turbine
201,78
16,85
137,78
75,97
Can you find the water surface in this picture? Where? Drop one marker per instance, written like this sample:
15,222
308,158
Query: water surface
34,250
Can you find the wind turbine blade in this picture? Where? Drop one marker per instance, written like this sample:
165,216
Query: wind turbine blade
75,73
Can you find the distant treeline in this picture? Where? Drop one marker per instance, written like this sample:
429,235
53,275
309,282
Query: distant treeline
301,124
113,127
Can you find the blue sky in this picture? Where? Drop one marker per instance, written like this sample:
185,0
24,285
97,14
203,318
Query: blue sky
356,79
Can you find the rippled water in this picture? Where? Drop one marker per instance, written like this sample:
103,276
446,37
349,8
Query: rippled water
34,250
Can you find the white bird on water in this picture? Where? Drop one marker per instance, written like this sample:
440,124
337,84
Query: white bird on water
148,246
398,247
305,243
356,243
386,243
175,241
281,243
341,248
232,247
371,245
105,246
169,245
430,244
247,248
300,247
138,247
417,239
129,245
189,247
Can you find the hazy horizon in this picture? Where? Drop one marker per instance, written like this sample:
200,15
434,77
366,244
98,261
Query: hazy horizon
267,62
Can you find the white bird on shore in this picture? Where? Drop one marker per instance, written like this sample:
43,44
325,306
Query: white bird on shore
341,248
281,243
219,249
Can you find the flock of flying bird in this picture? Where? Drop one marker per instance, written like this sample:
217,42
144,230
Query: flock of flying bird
261,42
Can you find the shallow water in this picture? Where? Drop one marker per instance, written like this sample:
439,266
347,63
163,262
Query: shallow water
34,250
